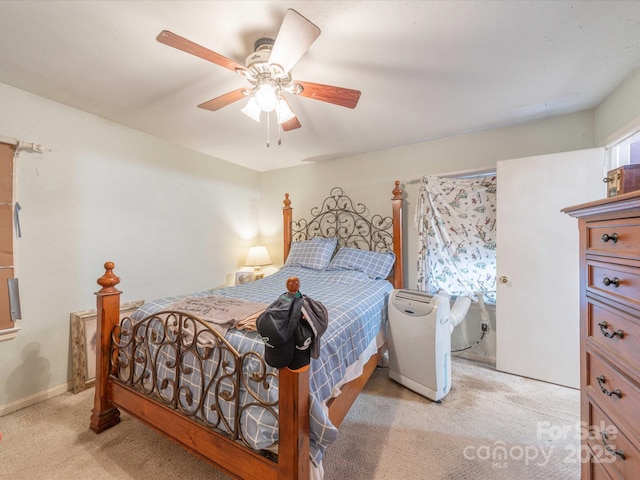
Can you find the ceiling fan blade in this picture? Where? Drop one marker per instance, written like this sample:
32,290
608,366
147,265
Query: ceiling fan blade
294,38
181,43
224,100
345,97
291,124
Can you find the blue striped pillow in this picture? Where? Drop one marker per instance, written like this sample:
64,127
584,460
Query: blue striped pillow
375,264
315,253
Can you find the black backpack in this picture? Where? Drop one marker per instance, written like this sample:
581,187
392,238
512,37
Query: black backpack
277,325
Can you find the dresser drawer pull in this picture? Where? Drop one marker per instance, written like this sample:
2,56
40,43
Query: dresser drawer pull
608,447
603,328
615,281
601,381
613,237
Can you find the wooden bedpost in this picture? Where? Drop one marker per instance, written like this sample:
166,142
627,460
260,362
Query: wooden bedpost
104,414
398,271
293,422
287,218
293,426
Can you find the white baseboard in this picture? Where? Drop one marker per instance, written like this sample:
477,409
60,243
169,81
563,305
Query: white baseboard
33,399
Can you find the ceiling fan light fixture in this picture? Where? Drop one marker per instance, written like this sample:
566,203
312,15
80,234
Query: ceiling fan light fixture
283,111
266,97
252,110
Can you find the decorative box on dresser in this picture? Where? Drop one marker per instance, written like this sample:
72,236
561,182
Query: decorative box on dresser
610,336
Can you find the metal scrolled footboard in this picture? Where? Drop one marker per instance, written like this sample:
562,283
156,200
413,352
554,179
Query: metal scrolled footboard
180,361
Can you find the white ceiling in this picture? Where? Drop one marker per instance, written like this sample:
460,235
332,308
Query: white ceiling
426,69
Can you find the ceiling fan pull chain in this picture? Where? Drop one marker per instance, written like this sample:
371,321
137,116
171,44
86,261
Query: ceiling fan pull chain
279,134
268,123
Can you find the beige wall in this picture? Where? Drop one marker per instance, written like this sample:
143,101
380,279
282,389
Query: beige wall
179,222
620,112
369,178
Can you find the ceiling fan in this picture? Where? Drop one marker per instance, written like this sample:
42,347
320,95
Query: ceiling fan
268,70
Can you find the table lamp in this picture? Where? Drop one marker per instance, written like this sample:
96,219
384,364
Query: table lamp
257,256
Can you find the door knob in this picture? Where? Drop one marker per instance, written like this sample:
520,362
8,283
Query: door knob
504,279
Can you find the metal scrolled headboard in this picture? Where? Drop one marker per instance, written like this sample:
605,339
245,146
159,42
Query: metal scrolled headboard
339,216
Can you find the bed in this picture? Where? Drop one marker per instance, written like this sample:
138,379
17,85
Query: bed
211,391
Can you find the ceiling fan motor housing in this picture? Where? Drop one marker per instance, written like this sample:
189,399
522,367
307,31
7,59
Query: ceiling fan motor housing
259,71
262,51
258,57
263,43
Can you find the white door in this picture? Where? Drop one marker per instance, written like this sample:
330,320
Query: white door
537,313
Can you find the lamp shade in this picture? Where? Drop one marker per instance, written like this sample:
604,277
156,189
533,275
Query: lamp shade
284,112
257,256
252,110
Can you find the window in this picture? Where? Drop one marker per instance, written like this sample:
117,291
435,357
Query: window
625,152
7,325
456,223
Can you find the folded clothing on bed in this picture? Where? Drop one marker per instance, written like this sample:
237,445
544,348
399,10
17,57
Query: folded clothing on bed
221,312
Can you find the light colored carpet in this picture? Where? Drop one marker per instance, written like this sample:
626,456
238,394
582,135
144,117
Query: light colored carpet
390,433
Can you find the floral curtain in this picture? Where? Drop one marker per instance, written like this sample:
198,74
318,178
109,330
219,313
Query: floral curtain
456,223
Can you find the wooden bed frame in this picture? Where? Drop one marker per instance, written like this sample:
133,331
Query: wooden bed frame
230,456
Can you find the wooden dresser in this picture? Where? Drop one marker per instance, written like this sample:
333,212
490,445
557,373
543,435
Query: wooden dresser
610,336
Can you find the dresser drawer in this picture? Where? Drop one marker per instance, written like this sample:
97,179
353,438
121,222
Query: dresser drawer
614,280
598,471
616,237
605,439
615,331
616,393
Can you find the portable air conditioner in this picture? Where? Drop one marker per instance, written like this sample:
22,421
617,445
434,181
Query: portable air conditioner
420,342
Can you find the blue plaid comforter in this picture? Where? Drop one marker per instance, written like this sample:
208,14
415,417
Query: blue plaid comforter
357,308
